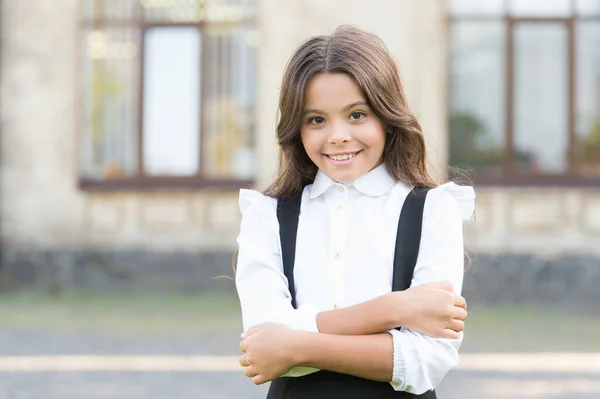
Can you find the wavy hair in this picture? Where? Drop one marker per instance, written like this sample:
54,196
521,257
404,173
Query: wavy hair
366,59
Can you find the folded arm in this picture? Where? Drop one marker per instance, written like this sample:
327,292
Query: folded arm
426,359
271,350
410,360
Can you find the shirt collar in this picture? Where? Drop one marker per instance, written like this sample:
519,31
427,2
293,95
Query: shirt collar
375,183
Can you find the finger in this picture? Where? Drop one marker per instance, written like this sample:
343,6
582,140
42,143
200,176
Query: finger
460,301
255,329
459,314
250,372
244,361
457,325
242,346
451,334
259,380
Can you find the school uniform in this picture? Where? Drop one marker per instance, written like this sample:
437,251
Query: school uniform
345,248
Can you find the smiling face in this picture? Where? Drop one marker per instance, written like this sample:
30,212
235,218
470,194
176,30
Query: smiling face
339,131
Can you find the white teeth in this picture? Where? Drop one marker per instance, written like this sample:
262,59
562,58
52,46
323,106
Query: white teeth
342,157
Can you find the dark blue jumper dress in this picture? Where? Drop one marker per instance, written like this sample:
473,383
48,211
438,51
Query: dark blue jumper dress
326,384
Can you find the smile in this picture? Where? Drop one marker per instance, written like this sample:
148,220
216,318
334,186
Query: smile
343,157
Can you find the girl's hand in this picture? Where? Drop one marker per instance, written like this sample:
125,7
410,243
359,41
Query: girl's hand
435,310
268,351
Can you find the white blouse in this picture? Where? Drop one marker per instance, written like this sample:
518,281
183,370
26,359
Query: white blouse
344,256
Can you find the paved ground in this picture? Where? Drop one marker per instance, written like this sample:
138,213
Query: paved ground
460,384
33,328
225,385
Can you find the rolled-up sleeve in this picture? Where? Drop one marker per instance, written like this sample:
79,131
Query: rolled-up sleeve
420,361
261,284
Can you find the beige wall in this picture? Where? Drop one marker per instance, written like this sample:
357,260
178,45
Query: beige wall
544,221
43,208
40,204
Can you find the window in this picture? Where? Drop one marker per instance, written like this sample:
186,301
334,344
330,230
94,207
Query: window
168,93
525,90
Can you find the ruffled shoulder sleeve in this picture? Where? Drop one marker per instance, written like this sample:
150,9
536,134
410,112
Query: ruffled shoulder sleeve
254,203
463,195
259,225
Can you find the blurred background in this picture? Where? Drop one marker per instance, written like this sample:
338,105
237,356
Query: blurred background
128,127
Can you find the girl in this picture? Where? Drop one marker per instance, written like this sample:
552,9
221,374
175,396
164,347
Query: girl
318,291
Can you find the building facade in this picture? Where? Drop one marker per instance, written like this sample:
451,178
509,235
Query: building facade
129,126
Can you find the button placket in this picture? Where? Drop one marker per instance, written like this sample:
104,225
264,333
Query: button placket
339,231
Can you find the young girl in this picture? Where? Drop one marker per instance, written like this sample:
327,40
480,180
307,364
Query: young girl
351,156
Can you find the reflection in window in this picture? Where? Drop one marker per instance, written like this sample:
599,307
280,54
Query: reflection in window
229,104
541,98
109,117
538,134
588,7
477,96
476,7
540,8
171,101
588,98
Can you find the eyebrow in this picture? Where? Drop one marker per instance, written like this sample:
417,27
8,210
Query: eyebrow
346,108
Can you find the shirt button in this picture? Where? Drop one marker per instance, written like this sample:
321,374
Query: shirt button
336,255
341,188
340,206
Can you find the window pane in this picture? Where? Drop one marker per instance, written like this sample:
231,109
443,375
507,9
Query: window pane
540,8
476,7
229,105
588,7
171,109
477,111
541,98
109,112
588,98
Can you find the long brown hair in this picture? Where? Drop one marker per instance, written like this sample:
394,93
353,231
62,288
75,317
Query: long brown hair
365,58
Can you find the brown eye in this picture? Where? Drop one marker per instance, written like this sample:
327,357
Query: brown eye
357,115
316,120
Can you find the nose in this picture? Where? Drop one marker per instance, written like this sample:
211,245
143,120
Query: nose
339,135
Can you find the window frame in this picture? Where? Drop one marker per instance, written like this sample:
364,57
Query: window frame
510,176
142,181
